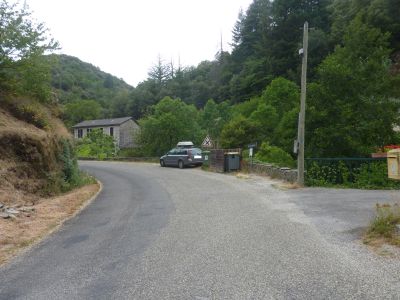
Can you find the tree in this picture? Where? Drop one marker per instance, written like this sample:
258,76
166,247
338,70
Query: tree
160,72
170,121
352,109
81,110
22,43
282,94
381,14
239,132
266,118
214,117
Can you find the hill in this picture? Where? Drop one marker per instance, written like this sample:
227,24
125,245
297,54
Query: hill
73,79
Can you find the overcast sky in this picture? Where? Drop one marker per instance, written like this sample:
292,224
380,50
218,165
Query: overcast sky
125,37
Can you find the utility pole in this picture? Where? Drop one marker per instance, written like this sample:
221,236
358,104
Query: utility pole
302,115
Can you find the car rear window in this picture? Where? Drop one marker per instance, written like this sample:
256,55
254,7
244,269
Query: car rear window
196,151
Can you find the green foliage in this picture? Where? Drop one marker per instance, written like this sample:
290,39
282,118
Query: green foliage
70,165
266,118
131,152
274,155
239,132
352,101
282,94
70,176
214,116
78,84
375,176
96,144
22,44
170,121
81,110
369,175
351,108
328,175
246,108
286,130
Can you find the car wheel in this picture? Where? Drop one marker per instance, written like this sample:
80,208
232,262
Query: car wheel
162,163
180,164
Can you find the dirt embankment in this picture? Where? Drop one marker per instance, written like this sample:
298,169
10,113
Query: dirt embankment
32,145
29,155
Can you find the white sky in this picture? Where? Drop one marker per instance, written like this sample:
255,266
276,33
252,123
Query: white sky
125,37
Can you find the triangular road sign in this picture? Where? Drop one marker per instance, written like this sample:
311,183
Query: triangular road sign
207,143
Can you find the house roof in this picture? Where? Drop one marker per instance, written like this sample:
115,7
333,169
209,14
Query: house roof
102,122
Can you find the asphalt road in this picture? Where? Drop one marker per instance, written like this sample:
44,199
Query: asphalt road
166,233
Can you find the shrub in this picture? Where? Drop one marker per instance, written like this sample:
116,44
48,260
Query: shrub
368,175
274,155
374,175
96,144
328,175
69,177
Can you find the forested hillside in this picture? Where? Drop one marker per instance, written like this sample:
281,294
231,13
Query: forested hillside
85,90
353,78
252,92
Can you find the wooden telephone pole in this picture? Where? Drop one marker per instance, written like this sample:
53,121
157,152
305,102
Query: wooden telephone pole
302,115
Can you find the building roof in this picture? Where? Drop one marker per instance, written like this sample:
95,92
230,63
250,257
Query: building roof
102,122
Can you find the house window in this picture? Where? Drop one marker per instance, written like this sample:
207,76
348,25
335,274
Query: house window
88,130
80,133
101,129
111,131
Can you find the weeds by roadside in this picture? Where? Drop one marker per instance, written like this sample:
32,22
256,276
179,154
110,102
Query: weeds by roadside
365,176
384,227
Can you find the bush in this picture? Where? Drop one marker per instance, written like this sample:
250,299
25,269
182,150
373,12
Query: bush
70,176
274,155
370,175
374,176
96,144
328,175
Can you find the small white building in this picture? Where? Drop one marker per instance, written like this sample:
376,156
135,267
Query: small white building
122,129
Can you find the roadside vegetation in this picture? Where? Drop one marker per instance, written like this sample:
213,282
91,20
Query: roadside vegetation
360,174
385,228
96,144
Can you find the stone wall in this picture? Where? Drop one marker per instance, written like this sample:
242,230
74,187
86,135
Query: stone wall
286,174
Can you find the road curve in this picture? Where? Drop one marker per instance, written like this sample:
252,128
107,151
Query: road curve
166,233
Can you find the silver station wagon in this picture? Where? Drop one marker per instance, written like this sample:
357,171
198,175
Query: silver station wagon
182,157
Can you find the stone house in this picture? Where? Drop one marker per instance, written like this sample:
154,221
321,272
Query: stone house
122,129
